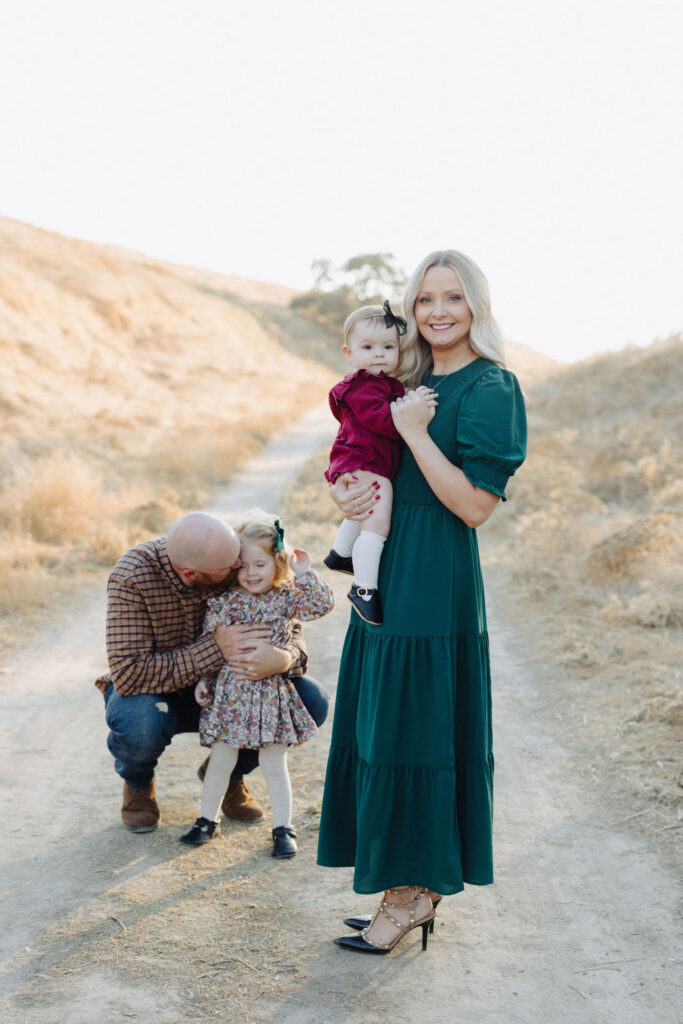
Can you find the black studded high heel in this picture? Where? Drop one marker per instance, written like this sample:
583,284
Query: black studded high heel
364,920
360,942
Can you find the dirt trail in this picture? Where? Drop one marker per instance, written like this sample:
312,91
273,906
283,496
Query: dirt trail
101,926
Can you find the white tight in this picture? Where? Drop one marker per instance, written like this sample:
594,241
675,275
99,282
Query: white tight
273,761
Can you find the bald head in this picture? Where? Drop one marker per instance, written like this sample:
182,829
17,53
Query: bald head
202,543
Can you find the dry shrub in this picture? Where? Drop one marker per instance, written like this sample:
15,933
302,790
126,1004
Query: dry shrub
638,478
22,574
649,541
107,542
655,611
152,518
582,503
655,607
666,708
54,499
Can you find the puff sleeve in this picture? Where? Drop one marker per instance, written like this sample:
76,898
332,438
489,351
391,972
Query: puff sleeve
491,430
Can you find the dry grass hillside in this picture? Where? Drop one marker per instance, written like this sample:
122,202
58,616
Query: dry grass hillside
128,387
529,365
592,545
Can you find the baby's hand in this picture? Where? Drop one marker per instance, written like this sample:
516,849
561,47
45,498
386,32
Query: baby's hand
202,693
428,395
301,561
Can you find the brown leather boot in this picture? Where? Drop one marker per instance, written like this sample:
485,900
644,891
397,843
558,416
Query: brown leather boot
239,803
139,811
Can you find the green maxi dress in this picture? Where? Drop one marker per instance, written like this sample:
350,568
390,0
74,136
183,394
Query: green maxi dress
409,786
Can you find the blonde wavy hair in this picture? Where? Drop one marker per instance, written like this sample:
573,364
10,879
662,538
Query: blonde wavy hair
259,526
486,337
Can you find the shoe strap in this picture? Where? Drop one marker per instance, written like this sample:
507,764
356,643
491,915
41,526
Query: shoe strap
403,926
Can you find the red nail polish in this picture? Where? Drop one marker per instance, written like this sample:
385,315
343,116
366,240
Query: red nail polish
370,512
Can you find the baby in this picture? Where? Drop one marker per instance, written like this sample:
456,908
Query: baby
367,445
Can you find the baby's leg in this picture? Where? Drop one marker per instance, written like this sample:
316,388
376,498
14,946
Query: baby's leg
380,520
273,761
219,769
367,551
347,535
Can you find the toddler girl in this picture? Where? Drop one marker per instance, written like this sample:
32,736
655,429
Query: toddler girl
274,585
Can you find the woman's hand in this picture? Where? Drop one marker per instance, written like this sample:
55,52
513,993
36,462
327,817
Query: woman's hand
202,693
301,561
412,414
353,498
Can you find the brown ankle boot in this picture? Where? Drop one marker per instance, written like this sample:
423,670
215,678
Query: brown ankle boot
139,811
239,803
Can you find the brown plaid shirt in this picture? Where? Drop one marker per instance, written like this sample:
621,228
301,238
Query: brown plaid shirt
153,624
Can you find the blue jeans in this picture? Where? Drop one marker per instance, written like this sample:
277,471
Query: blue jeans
142,726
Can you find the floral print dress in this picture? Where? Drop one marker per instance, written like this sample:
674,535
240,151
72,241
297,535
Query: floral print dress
248,713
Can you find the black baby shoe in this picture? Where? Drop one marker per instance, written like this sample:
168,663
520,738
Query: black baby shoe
339,562
283,841
367,604
201,832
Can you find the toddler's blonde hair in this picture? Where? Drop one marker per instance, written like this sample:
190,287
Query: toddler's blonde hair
259,526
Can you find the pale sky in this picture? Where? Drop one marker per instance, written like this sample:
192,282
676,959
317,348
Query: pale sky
538,137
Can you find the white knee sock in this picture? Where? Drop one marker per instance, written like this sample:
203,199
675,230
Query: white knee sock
273,761
367,552
218,771
347,535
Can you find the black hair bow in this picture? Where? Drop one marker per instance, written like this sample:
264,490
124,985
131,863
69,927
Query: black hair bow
391,320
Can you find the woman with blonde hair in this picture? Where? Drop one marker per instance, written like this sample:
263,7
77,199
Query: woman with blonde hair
408,793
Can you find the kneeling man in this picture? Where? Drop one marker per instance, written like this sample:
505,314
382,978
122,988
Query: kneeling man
157,595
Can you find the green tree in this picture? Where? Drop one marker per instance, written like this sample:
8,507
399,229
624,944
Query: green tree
362,280
328,308
375,276
323,273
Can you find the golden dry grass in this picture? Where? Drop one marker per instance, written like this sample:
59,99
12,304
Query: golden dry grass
591,544
128,389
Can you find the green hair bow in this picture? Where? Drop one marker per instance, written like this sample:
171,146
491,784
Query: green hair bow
280,545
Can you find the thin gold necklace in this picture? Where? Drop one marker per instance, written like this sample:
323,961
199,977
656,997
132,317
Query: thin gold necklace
436,381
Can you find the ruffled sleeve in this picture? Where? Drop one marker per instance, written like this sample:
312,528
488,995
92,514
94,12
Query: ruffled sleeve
491,430
369,398
309,598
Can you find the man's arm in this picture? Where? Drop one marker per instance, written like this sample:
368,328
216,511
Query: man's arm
135,665
297,648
